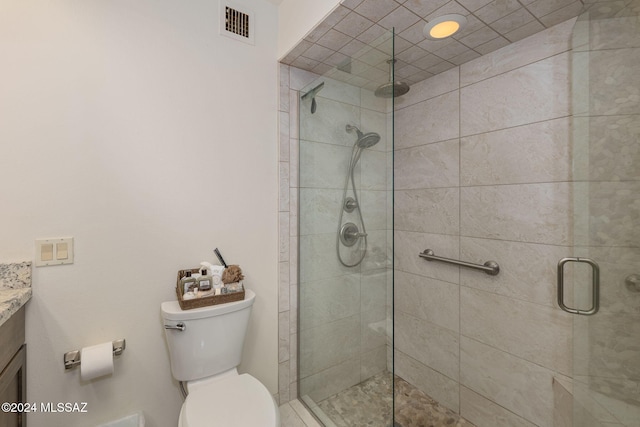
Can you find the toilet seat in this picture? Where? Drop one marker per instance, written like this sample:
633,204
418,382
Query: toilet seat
236,401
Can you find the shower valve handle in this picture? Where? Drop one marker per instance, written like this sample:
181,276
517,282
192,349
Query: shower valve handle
349,234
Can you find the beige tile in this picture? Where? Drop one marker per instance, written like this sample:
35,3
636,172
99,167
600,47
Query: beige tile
424,8
440,387
339,377
614,33
375,10
614,154
373,170
428,299
497,9
323,165
428,121
283,195
428,343
321,210
283,286
535,92
400,19
524,31
543,45
284,140
497,157
493,45
478,37
427,166
614,213
409,244
512,21
283,337
616,263
334,40
283,381
283,231
374,209
289,418
304,414
318,259
534,213
521,387
544,7
536,333
373,362
427,210
328,345
527,270
482,411
567,12
329,300
615,77
328,123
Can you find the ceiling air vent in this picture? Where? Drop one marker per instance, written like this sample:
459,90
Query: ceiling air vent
236,22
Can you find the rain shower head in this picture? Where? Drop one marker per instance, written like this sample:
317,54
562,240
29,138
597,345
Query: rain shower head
365,140
391,89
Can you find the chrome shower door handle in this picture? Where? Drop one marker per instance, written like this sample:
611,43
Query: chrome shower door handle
595,286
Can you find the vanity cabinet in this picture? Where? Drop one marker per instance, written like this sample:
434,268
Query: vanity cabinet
13,366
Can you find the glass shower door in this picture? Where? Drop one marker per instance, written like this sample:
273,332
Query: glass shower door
345,368
606,156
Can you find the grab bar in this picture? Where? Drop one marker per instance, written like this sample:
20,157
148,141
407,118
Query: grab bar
490,267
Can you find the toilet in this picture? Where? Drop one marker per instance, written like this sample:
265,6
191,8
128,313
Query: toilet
205,348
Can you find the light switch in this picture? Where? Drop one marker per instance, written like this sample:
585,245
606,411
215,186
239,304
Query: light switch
61,251
46,252
54,251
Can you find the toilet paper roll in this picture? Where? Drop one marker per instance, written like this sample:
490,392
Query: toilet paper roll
96,361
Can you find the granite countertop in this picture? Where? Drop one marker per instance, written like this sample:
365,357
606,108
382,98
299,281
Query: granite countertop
15,288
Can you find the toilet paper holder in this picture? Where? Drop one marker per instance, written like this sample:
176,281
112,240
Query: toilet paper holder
72,358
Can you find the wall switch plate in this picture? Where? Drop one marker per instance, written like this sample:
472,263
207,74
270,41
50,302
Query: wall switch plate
56,251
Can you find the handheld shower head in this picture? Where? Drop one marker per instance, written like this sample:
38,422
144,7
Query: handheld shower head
365,140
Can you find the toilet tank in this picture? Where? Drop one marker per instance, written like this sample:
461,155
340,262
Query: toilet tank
212,339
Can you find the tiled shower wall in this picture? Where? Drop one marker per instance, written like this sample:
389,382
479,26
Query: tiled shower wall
482,172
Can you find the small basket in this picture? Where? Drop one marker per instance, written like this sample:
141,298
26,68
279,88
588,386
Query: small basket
204,301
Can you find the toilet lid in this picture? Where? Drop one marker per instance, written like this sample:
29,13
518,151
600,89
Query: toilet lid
238,401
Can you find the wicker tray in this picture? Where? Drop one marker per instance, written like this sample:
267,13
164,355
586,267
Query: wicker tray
204,301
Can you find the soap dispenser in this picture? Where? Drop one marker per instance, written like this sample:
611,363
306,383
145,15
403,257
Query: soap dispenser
187,282
205,281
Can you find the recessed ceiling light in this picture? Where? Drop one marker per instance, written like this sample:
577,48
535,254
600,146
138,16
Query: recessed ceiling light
444,26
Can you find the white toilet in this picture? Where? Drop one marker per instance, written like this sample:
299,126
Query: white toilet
205,347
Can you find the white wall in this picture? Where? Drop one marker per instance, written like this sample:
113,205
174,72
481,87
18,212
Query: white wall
138,130
297,18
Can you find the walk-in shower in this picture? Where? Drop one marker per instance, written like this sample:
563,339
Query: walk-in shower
525,154
348,233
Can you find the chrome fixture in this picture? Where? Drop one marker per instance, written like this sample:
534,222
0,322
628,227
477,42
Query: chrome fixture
72,358
350,204
632,282
312,94
349,234
595,286
391,89
180,327
490,267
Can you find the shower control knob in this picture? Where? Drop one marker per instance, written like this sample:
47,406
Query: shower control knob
349,234
350,204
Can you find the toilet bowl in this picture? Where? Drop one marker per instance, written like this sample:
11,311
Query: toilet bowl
205,347
234,401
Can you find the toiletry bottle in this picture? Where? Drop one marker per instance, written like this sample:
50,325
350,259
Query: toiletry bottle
205,280
187,282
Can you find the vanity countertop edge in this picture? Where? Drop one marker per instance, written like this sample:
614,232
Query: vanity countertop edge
15,288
